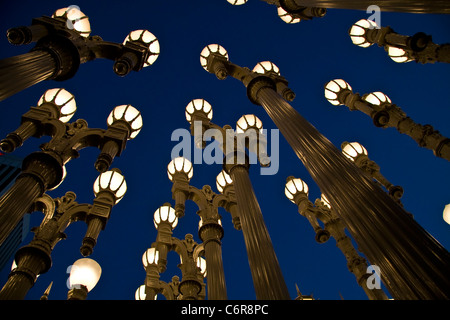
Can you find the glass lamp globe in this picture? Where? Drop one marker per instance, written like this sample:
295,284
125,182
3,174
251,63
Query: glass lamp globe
128,114
325,201
61,100
237,2
332,90
140,293
150,256
180,165
286,17
223,180
199,107
147,39
352,150
358,32
399,55
211,48
85,272
201,264
112,181
446,213
76,20
265,67
377,98
247,122
165,213
295,186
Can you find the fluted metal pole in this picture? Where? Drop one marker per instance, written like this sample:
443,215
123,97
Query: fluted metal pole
266,272
211,235
21,72
413,264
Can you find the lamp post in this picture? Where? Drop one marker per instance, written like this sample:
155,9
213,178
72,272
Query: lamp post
385,114
384,231
35,258
266,272
192,266
296,190
210,231
84,276
63,42
44,170
439,6
400,48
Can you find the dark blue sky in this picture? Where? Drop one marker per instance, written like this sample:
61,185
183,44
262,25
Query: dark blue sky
309,54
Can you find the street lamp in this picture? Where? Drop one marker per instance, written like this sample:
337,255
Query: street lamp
446,213
35,258
44,170
380,236
84,275
296,191
210,227
385,114
358,154
267,276
63,42
400,48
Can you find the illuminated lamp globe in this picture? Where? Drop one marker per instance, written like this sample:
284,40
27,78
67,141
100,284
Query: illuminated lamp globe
287,17
399,55
377,98
198,108
295,186
150,256
111,181
446,213
223,180
201,264
167,214
332,90
358,32
147,39
75,20
237,2
353,150
211,48
130,116
60,101
180,165
266,67
84,272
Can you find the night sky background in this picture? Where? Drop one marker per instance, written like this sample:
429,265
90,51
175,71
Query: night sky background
309,54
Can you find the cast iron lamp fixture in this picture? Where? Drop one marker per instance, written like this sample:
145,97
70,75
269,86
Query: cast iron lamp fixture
267,276
44,170
35,258
400,48
296,190
84,276
154,259
63,42
210,226
358,154
382,237
385,114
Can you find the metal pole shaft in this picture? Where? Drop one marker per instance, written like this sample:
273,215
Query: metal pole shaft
211,236
267,276
20,72
413,264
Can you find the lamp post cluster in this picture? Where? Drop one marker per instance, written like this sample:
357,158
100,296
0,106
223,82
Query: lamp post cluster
154,259
385,114
400,48
380,226
63,42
